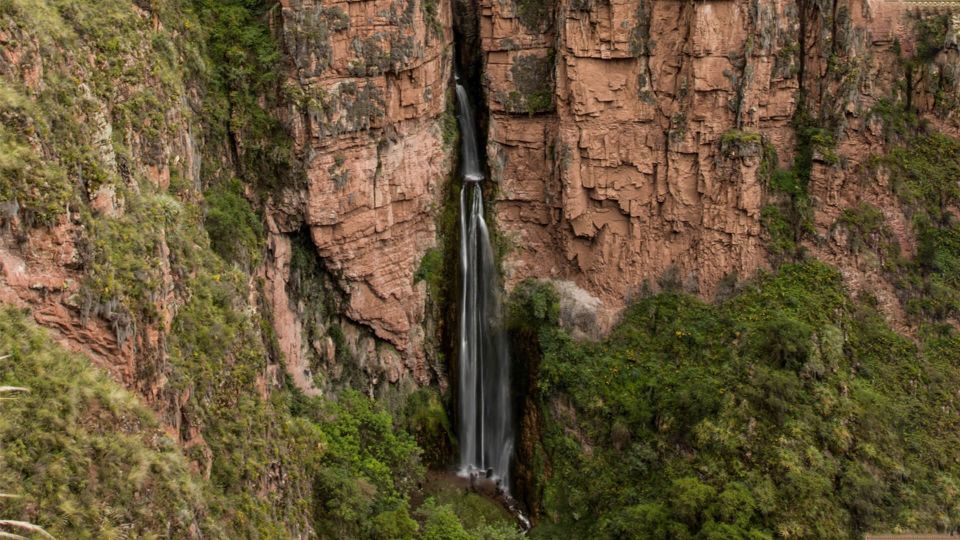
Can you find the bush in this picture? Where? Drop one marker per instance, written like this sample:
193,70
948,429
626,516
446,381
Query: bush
786,410
235,230
85,457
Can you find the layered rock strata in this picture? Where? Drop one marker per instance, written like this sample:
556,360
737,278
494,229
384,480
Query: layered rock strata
371,79
647,160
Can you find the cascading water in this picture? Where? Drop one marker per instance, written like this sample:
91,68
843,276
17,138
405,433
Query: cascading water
486,433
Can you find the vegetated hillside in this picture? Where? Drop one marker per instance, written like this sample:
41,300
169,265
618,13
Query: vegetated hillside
787,411
139,143
83,456
85,459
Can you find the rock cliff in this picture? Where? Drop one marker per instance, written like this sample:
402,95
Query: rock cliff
83,126
371,82
633,145
633,142
363,94
222,204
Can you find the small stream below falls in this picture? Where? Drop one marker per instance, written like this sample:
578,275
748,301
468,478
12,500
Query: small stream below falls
486,421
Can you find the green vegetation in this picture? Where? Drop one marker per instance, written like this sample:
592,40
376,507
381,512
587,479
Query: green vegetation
450,129
431,271
930,32
532,75
235,231
452,515
735,136
83,456
87,460
535,15
339,459
431,15
898,123
40,188
781,239
307,35
788,410
242,83
923,174
867,230
349,107
736,143
371,59
123,258
923,166
425,417
52,137
789,218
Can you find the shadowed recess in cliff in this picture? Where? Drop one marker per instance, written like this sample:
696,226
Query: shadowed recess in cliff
486,431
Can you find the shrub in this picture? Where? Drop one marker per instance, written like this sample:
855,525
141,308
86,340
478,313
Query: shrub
754,418
86,458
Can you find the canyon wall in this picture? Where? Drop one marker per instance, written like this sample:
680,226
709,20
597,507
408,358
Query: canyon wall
371,81
223,206
85,133
633,142
362,93
633,145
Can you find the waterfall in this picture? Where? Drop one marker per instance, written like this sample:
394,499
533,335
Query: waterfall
486,431
468,136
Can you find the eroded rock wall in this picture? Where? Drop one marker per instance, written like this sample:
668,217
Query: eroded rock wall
75,136
371,80
649,159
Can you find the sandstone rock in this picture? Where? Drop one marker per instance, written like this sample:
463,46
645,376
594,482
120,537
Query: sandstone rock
583,314
375,160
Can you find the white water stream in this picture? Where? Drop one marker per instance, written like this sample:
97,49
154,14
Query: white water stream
486,430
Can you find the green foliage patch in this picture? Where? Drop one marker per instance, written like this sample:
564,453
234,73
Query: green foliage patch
244,85
464,517
535,15
737,143
788,220
867,229
789,410
923,173
235,230
82,456
110,91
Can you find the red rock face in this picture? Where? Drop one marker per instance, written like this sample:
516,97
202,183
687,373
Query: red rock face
627,178
374,76
40,265
368,83
606,135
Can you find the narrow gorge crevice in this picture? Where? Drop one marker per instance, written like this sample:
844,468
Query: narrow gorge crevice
483,373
